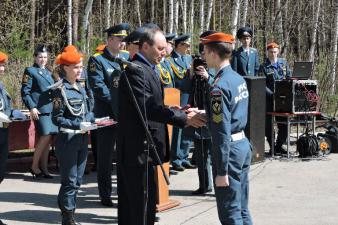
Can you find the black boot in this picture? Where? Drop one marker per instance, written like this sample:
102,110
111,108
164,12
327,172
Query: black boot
68,218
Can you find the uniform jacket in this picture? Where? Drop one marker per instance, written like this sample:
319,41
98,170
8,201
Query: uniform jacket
228,114
67,96
5,101
104,75
149,95
273,72
243,64
181,65
164,67
34,89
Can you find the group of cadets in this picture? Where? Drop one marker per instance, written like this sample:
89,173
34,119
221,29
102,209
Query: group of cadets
64,107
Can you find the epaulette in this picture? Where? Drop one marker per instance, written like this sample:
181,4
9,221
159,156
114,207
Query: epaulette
97,54
56,85
125,51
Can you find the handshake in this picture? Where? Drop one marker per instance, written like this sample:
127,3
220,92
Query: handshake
195,117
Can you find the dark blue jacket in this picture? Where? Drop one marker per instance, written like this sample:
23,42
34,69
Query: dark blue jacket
34,89
104,76
5,101
180,66
243,64
71,106
164,70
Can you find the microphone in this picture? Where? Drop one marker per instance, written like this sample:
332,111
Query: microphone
126,62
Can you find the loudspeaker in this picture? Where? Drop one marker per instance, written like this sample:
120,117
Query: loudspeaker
255,128
296,96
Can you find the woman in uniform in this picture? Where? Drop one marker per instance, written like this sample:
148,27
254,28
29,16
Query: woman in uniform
72,115
38,99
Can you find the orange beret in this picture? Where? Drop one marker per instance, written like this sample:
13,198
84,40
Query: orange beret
217,38
69,58
70,48
3,57
57,59
100,48
272,45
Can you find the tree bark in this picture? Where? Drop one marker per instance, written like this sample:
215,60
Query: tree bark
164,16
152,13
192,15
138,13
121,12
114,12
107,12
171,16
85,23
176,9
234,17
245,12
69,22
75,20
279,23
316,5
334,50
210,6
33,15
201,16
184,15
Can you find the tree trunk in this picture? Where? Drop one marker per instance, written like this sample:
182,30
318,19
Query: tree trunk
107,11
85,22
201,16
69,22
152,13
164,16
171,15
176,9
279,24
114,12
245,12
32,35
184,12
192,14
334,50
75,20
316,5
234,17
138,12
207,25
121,11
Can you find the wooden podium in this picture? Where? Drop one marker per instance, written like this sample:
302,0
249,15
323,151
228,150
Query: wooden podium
171,97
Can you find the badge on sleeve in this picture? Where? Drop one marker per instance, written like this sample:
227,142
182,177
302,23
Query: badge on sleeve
25,78
92,67
57,103
116,82
216,107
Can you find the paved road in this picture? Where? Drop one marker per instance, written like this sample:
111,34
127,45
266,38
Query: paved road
283,192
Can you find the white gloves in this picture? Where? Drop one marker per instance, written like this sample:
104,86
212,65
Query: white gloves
101,119
4,118
85,126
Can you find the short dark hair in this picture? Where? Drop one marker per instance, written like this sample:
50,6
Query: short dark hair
148,35
223,50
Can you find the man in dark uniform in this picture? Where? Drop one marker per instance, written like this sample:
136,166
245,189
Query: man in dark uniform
231,151
133,162
104,75
245,60
180,63
274,69
132,42
164,69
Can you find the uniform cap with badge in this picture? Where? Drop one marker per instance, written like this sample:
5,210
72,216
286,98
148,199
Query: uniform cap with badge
184,38
119,30
3,57
134,37
170,37
40,48
244,32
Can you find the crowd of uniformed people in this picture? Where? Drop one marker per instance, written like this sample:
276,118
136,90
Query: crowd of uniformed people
65,107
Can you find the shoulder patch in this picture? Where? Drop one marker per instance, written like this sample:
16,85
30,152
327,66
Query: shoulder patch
57,103
216,106
25,78
92,66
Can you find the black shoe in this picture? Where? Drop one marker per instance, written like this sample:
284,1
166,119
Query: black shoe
68,218
2,223
157,219
107,202
36,175
47,176
200,191
188,165
178,168
280,150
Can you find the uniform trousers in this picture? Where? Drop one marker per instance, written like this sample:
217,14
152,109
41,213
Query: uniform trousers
131,199
3,152
106,139
232,201
71,151
202,157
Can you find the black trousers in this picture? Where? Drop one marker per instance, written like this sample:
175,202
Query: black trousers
131,198
3,151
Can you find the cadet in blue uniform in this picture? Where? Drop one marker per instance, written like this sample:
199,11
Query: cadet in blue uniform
104,75
72,115
180,63
164,69
245,60
38,99
274,69
231,151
